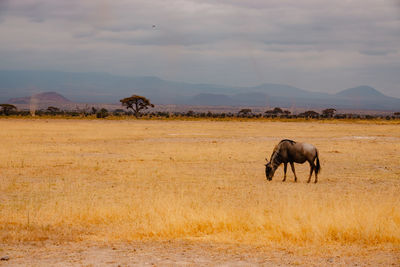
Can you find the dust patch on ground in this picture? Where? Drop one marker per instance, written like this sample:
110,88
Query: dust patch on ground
188,253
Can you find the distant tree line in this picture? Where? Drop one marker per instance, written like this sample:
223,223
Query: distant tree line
102,113
136,105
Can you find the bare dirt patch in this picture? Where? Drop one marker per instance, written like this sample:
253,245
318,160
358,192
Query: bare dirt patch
188,253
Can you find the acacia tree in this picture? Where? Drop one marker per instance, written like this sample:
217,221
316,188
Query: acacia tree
244,112
53,110
329,112
309,114
136,103
7,108
277,111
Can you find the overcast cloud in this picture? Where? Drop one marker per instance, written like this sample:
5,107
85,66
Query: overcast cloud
319,45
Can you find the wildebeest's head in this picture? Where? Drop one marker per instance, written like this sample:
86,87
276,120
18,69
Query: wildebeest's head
269,171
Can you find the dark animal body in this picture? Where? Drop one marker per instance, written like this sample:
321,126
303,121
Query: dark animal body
289,151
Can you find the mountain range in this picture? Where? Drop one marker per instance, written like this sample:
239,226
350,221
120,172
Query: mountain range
16,86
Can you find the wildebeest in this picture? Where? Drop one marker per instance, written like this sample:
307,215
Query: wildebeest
289,151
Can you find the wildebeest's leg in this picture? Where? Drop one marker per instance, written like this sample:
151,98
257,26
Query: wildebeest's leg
316,177
294,172
312,166
284,171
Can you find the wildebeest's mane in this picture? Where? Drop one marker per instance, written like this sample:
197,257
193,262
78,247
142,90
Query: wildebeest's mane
287,140
277,148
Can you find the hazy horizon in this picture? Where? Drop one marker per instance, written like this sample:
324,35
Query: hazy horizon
313,45
37,90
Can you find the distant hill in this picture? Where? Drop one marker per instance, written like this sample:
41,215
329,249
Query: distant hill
107,88
47,97
361,92
366,96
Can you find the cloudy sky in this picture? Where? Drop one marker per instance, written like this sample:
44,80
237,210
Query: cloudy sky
317,45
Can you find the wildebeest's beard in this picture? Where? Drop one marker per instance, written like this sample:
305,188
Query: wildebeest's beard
269,172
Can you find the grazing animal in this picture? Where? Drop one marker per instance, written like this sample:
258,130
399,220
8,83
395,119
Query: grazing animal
289,151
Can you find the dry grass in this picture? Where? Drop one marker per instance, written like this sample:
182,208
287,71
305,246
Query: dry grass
201,180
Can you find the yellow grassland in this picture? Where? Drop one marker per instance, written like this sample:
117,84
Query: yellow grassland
118,180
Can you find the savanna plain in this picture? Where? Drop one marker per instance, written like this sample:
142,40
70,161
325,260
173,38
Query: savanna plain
175,192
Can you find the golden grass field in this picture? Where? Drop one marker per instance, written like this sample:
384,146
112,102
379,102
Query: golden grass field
130,180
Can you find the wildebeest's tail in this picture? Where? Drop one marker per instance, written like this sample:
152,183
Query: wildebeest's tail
318,167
